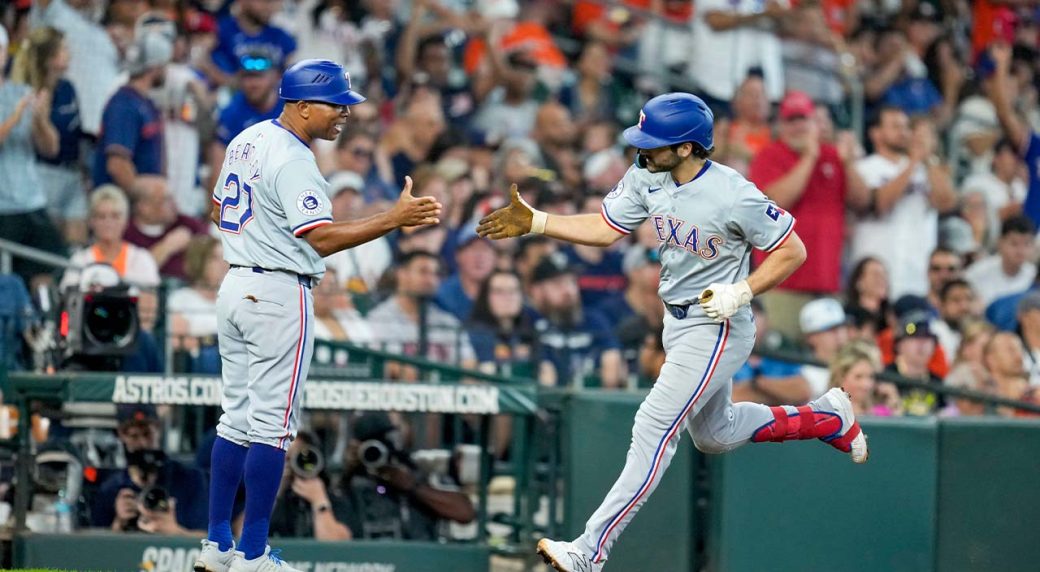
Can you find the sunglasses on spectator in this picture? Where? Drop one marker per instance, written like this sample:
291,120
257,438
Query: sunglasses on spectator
935,268
256,65
361,152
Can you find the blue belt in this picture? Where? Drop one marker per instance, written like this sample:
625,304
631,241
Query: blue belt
678,311
305,281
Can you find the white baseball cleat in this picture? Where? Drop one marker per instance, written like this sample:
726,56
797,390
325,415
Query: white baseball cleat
566,557
267,562
850,439
212,559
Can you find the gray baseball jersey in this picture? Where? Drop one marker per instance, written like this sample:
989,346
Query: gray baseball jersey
705,228
270,193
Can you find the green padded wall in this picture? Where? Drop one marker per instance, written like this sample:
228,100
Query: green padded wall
804,506
989,495
598,431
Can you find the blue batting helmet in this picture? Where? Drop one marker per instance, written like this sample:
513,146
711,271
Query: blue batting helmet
671,119
318,80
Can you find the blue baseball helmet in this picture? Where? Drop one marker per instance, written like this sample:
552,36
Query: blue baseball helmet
318,80
671,119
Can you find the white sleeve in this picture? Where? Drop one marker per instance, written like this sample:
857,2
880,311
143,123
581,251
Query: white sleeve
624,208
300,189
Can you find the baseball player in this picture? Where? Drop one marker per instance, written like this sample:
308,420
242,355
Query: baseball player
276,225
707,218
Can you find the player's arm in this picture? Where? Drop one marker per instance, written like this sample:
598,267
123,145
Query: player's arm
408,211
780,264
519,218
1014,129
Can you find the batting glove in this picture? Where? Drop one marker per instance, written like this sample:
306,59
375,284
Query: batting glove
720,301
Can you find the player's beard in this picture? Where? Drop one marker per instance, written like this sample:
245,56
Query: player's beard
663,166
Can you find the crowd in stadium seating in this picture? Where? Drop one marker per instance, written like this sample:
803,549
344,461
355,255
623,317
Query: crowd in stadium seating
920,229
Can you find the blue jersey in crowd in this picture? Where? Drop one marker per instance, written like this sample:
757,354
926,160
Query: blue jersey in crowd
238,115
1031,155
572,350
65,117
131,126
232,42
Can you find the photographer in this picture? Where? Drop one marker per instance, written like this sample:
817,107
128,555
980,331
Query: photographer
305,508
389,497
153,494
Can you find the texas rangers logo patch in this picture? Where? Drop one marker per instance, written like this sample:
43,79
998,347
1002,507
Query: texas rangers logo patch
774,212
617,190
642,119
309,203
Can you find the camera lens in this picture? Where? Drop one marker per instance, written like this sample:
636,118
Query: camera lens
109,321
155,499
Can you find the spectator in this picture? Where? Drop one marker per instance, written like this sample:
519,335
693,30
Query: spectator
966,376
354,152
1029,332
186,106
602,277
975,126
899,79
501,330
974,338
911,187
409,140
740,138
867,292
157,226
108,222
943,265
764,379
256,100
248,27
810,56
638,312
510,109
41,65
1002,190
93,57
131,140
1003,357
914,346
557,138
357,269
825,328
424,59
816,182
196,304
475,259
596,93
396,501
25,129
1010,270
116,504
399,317
1026,141
305,507
853,369
732,39
957,307
530,251
575,341
335,317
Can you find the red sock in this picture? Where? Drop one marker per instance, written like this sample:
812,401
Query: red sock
807,424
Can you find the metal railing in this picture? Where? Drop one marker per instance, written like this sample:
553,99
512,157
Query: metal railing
10,250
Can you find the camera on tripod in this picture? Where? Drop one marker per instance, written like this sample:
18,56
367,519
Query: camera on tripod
100,322
307,462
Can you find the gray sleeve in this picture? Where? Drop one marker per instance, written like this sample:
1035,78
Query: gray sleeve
623,208
758,219
300,190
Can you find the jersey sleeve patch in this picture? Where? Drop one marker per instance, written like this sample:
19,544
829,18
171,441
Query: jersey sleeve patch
309,203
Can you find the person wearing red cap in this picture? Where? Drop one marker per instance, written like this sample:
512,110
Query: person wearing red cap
815,181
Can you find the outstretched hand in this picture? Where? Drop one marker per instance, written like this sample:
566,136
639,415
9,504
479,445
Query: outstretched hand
509,221
415,211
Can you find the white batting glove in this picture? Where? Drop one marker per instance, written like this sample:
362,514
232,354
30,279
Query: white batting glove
720,301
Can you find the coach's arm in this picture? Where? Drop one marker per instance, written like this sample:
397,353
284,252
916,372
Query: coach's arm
518,219
408,211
